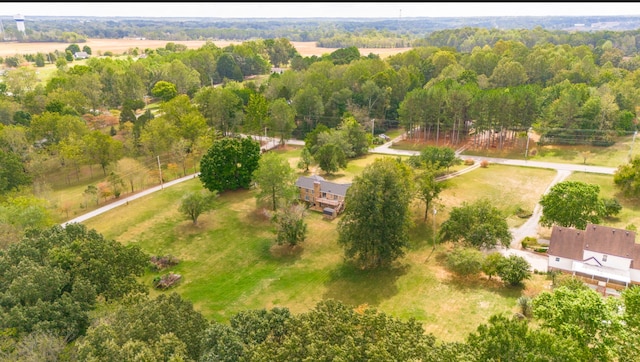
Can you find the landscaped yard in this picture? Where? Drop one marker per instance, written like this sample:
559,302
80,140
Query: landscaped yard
229,261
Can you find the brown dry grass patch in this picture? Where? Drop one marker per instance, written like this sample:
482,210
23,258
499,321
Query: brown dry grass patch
120,46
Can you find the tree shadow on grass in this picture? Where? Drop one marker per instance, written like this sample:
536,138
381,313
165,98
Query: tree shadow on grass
282,254
353,286
477,282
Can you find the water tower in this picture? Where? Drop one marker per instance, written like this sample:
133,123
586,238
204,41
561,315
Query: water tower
19,22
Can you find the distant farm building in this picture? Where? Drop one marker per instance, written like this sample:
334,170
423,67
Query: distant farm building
81,55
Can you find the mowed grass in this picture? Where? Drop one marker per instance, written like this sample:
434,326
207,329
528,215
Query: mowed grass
508,188
229,261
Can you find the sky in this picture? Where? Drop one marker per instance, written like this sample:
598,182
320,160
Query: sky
316,9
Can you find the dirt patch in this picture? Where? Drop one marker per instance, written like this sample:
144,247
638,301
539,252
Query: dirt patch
119,46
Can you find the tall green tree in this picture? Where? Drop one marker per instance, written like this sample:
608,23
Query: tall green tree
374,227
164,90
102,149
428,189
581,315
12,173
256,114
478,224
330,158
282,119
571,204
166,328
627,178
229,164
275,181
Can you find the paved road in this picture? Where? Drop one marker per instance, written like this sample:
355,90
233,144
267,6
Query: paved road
126,200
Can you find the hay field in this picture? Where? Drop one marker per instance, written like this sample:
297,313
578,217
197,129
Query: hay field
118,46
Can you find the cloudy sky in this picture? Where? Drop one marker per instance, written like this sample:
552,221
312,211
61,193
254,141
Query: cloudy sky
316,9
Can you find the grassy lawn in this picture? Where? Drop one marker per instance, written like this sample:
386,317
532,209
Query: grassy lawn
508,187
230,263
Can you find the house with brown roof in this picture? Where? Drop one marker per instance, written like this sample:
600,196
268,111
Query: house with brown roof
322,195
599,252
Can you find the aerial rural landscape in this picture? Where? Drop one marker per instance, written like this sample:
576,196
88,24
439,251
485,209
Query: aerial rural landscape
419,189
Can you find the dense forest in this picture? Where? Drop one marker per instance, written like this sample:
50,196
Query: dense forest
464,86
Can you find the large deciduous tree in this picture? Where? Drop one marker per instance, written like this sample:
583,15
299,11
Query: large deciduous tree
477,224
282,119
275,180
229,164
52,277
593,323
571,204
374,227
627,178
164,329
12,173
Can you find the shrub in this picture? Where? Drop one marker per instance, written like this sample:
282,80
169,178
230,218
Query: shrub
469,162
484,163
513,270
465,261
522,213
525,306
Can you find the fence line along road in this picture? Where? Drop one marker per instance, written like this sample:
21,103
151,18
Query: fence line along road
126,200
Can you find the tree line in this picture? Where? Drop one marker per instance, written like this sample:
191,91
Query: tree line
56,278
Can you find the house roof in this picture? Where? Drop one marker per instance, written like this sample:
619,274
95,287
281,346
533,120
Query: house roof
571,243
566,243
325,186
607,240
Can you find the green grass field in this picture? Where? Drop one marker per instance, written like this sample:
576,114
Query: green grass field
229,261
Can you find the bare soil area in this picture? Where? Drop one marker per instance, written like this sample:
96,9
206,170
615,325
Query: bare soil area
119,46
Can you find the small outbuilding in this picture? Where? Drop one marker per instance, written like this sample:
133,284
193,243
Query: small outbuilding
329,213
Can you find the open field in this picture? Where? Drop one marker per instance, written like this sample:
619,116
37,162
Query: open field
119,46
229,261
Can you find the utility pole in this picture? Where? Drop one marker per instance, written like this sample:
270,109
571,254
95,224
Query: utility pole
526,151
373,126
160,171
435,235
633,140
